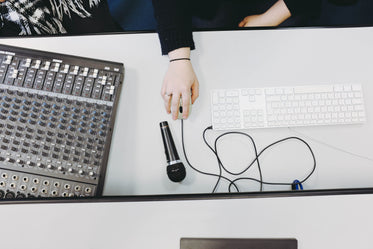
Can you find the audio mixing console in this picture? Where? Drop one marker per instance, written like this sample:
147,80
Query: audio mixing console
57,115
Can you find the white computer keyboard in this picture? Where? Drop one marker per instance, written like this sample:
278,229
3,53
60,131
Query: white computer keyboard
287,106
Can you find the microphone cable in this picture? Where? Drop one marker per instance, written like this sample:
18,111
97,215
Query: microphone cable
221,167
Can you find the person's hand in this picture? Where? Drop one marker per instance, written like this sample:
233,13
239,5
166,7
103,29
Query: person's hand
180,81
254,21
1,1
274,16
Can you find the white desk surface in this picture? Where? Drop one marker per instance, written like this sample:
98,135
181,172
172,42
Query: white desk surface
318,222
231,59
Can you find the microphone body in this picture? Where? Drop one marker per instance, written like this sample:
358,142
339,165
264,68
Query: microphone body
175,169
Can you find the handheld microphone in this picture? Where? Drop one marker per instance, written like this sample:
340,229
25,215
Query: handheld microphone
175,169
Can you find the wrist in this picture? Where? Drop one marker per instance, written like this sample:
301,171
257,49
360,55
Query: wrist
180,59
277,14
179,53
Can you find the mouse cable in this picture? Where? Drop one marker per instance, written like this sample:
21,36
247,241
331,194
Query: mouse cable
219,176
256,159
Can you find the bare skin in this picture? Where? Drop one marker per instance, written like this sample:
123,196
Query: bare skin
274,16
180,81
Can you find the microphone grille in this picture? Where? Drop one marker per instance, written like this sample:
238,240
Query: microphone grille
176,172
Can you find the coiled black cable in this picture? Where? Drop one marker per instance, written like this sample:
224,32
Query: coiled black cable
221,167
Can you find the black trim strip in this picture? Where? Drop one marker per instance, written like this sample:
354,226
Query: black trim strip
190,197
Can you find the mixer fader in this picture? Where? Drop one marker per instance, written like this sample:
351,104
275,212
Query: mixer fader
56,119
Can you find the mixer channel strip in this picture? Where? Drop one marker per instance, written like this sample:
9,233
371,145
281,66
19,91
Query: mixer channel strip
57,115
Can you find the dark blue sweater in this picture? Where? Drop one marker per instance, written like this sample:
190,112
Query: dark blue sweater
174,18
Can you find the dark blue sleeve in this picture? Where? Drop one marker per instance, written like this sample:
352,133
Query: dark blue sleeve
174,24
303,7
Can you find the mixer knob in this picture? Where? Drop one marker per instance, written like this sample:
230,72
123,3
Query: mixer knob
22,120
10,92
41,123
11,118
34,109
14,106
13,112
26,102
45,111
50,166
35,103
30,121
60,168
81,172
40,165
25,108
5,105
91,173
29,163
70,170
46,105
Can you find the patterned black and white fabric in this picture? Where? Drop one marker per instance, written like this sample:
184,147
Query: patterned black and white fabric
35,17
